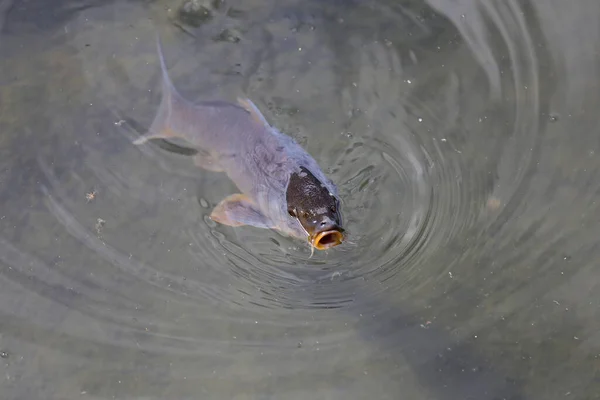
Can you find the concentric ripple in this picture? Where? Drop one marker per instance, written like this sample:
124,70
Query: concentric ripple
398,138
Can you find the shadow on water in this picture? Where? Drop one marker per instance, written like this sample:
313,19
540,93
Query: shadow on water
461,138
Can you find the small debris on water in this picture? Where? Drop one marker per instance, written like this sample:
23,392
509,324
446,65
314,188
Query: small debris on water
335,274
3,354
228,35
91,196
99,225
493,203
196,12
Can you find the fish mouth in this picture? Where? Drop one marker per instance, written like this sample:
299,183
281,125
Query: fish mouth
327,239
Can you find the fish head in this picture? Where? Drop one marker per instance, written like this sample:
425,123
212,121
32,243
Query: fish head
316,209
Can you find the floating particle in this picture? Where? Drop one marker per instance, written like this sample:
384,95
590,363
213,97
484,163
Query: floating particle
100,225
91,196
493,203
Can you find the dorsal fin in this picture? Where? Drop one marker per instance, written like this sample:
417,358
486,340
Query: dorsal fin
249,106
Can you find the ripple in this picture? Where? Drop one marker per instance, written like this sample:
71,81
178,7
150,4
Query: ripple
406,165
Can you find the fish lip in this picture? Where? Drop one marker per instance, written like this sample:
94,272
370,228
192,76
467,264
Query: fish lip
336,239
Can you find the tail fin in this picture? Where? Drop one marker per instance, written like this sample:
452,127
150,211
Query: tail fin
160,126
167,85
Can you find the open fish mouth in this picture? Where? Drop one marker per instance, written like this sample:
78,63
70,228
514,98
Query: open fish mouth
327,239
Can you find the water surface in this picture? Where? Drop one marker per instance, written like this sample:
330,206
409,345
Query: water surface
463,136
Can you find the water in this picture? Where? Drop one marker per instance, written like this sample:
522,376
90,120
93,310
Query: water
463,136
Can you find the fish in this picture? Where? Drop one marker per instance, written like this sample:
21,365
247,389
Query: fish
281,186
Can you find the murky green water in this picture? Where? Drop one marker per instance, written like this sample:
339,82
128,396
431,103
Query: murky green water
463,136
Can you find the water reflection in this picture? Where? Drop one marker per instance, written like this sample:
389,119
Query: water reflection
461,136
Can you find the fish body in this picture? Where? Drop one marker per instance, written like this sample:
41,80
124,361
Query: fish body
281,185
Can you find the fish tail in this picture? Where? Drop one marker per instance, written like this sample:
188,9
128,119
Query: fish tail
160,128
167,85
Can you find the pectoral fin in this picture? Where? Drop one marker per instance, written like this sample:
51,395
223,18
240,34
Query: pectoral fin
238,210
249,106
